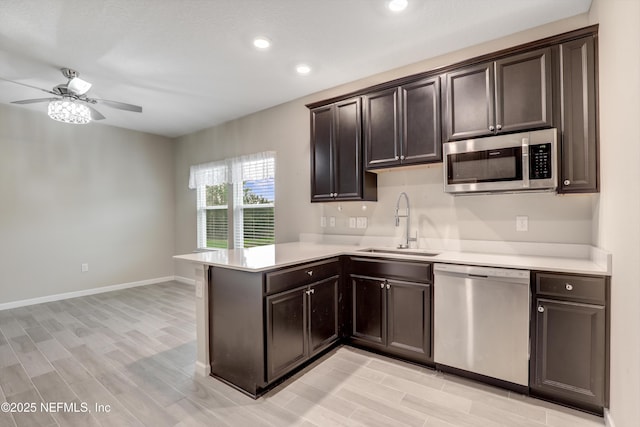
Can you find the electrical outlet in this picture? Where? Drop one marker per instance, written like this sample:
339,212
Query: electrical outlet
522,223
332,221
323,221
352,222
199,289
84,267
362,222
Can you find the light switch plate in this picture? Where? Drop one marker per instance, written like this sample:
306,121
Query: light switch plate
323,221
352,222
361,222
199,289
84,267
332,221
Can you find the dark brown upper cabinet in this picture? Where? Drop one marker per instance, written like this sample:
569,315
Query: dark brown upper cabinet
545,83
402,125
336,154
511,94
579,143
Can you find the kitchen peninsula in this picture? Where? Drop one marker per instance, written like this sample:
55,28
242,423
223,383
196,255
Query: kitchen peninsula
264,312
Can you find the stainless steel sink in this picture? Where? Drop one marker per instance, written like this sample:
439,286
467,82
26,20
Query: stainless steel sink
397,252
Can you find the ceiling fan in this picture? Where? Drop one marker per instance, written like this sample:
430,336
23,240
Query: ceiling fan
71,104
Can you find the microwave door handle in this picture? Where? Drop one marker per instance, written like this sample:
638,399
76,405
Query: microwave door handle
525,162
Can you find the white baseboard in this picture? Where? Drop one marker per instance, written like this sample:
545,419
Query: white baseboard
84,292
184,280
202,369
608,419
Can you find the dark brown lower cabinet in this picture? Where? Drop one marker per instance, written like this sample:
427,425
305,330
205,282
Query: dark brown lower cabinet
300,323
286,331
369,310
392,316
323,315
409,318
569,363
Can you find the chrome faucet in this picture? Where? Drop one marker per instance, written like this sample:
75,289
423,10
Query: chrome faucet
407,215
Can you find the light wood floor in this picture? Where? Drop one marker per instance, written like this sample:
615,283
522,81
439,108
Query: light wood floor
134,350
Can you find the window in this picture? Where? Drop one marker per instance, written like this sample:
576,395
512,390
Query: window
215,216
235,201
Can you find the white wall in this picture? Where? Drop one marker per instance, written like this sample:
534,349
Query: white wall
617,221
285,129
72,194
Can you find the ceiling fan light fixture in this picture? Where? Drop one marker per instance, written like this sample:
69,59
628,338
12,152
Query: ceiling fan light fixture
78,86
68,111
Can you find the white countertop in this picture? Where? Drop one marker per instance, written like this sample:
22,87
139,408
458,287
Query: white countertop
283,254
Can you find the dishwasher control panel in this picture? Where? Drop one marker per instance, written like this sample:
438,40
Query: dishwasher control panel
479,271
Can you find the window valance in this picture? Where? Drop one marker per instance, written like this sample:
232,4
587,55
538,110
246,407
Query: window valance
235,170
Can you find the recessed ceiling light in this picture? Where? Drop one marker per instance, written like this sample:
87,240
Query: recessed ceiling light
262,43
303,69
397,5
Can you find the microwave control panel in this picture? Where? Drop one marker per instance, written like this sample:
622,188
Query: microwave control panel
540,161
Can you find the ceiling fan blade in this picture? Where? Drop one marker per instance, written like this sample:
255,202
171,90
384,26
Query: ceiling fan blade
120,105
27,85
33,101
95,114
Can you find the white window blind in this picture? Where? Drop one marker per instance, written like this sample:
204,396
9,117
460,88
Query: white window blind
235,201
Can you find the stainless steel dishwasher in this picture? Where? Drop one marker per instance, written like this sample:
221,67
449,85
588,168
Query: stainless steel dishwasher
481,320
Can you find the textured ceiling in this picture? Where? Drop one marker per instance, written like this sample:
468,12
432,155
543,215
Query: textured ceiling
190,63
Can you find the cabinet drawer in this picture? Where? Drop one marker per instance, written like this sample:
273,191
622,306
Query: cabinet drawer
299,275
391,269
590,288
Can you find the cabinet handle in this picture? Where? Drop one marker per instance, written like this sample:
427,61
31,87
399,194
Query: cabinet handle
567,182
397,158
401,157
491,128
498,127
310,291
388,286
568,286
382,285
540,309
310,272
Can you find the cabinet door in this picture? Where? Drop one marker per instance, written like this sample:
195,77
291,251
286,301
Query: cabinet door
570,351
382,128
524,91
421,139
348,149
323,314
322,153
286,331
369,310
409,318
470,102
579,168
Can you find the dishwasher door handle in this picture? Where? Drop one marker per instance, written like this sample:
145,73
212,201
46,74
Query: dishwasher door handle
478,276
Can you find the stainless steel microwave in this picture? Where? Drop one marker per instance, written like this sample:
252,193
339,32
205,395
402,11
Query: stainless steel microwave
516,162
